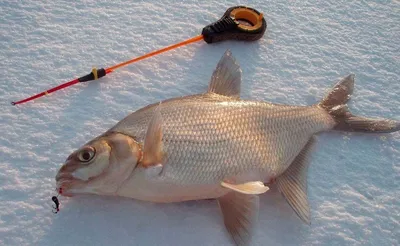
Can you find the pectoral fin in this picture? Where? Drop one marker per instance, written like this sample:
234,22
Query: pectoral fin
240,213
249,188
153,149
293,183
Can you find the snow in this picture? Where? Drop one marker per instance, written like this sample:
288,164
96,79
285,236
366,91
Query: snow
354,179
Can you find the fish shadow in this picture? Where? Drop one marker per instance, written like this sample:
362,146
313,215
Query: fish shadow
97,220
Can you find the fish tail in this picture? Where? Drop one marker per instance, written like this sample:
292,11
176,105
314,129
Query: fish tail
335,104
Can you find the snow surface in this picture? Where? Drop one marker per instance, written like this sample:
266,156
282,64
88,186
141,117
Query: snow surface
354,179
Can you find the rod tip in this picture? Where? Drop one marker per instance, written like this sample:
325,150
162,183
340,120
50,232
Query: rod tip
13,103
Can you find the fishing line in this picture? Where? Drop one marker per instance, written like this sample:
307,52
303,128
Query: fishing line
238,23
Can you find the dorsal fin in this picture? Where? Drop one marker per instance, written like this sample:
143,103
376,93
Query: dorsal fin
227,77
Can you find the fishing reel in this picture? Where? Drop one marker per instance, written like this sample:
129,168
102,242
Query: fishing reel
238,23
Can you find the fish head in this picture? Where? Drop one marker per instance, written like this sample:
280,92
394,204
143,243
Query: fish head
100,166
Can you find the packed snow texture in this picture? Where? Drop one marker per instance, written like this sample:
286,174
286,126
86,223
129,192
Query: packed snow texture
354,179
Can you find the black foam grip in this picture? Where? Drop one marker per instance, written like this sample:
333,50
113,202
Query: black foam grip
227,28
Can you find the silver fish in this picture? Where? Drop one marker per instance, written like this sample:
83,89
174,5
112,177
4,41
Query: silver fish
213,145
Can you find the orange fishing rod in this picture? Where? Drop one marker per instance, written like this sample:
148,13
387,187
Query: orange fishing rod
238,23
98,73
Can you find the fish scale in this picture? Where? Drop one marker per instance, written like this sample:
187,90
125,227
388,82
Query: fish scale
210,137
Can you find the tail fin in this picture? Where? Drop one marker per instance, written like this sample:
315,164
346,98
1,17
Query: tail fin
335,104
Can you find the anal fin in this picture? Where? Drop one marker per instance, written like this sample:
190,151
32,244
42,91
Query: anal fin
240,213
293,183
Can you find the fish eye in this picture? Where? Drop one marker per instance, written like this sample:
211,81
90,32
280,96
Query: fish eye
86,154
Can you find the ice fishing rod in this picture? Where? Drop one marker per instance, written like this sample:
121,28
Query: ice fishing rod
238,23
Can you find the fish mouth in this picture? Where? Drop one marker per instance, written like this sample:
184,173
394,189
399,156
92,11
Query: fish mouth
64,182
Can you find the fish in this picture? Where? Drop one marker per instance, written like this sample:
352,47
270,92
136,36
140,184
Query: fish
214,145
